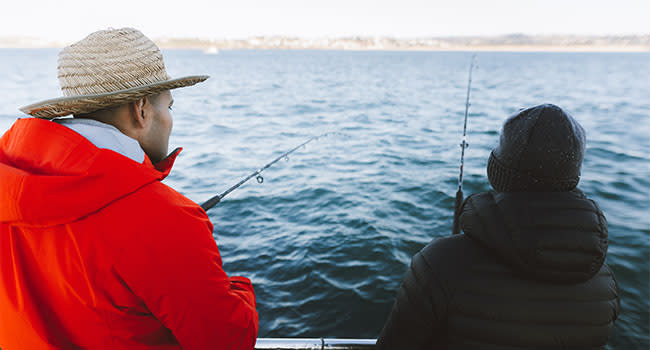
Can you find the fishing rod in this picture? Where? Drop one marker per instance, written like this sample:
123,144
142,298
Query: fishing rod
463,145
217,198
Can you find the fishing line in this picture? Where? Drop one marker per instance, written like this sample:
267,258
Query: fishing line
463,145
217,198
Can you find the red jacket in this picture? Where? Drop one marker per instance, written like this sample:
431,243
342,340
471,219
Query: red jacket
95,252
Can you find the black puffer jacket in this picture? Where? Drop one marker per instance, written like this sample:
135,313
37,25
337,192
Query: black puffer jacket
527,273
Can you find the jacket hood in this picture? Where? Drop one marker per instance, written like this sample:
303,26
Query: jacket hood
49,174
554,236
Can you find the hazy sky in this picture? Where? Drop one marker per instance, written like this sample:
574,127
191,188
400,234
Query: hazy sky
71,20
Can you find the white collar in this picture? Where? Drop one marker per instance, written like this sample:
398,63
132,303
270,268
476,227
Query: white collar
106,136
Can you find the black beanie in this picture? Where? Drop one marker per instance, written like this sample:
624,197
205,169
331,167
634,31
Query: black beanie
541,150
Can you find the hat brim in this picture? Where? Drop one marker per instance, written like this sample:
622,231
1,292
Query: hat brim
81,104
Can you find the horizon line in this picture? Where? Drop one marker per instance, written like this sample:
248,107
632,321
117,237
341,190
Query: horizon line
512,41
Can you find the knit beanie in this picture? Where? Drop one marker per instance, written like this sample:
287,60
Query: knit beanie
540,150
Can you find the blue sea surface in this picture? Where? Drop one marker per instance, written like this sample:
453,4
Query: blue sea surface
327,237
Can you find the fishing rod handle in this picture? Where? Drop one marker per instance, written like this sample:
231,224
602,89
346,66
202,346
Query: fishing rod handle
207,205
457,205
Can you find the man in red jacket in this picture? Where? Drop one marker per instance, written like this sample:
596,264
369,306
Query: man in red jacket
95,252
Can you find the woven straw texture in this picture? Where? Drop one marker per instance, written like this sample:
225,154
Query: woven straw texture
106,69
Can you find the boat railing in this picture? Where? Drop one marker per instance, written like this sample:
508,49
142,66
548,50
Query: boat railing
314,344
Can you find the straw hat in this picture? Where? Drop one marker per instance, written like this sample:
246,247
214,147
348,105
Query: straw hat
108,68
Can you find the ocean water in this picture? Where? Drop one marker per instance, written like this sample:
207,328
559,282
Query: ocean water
328,236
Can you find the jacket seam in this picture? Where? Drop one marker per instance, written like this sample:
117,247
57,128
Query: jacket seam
483,341
443,286
409,299
605,300
538,323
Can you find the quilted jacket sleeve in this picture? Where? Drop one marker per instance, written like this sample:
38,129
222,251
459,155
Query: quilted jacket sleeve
417,320
177,272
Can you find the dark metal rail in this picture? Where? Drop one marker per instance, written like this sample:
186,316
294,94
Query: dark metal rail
314,344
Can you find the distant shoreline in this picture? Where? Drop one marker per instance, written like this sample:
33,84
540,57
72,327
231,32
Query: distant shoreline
512,42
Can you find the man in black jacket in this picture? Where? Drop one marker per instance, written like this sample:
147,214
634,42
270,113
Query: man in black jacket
529,270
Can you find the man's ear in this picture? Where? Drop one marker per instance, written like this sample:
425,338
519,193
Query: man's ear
137,112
